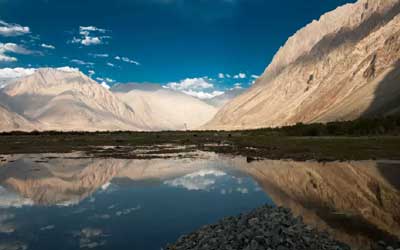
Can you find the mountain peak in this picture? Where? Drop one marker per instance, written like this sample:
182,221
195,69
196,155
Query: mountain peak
346,17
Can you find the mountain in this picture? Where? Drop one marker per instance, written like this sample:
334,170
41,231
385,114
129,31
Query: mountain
343,66
165,109
64,99
68,100
223,99
11,121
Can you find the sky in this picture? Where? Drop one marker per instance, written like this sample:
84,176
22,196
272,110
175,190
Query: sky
202,47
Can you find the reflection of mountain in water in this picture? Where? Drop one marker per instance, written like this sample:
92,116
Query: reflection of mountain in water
63,181
358,202
354,201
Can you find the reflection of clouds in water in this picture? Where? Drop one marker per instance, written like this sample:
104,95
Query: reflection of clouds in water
91,238
14,245
101,216
242,190
11,199
5,225
47,228
105,186
127,211
201,180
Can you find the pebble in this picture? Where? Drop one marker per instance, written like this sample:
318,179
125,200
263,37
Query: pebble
265,228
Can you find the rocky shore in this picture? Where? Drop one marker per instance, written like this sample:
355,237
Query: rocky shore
265,228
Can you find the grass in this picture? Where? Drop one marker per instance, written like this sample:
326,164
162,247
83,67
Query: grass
253,144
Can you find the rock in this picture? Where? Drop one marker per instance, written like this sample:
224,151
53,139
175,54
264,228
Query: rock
265,228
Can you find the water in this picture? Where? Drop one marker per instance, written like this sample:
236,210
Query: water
72,202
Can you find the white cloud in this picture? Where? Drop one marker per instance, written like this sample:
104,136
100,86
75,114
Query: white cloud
9,29
126,59
98,55
16,72
110,64
87,41
12,48
105,85
237,85
90,35
195,87
80,62
91,73
190,84
240,76
5,58
221,75
47,46
202,94
255,76
109,80
91,28
68,69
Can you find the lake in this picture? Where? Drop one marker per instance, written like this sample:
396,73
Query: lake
71,201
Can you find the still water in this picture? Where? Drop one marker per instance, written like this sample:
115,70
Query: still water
68,201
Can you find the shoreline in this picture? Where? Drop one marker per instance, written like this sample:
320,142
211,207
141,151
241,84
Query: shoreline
253,146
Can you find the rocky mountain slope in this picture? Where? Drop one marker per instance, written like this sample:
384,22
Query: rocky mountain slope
341,67
165,109
223,99
68,100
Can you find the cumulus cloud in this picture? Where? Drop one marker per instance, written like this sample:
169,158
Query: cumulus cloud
221,75
255,76
6,48
195,87
98,55
240,76
110,64
68,69
91,73
190,84
80,62
237,85
87,41
109,80
11,73
90,35
126,59
47,46
10,29
105,85
204,95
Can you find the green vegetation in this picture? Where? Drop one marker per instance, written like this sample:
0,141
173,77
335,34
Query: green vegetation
357,140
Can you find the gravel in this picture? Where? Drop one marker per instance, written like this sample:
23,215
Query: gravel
265,228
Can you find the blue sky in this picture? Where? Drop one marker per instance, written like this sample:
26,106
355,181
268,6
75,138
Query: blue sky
160,41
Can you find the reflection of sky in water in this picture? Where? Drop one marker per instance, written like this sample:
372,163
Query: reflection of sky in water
128,214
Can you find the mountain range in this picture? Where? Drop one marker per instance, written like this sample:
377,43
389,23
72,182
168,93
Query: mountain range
344,66
67,100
